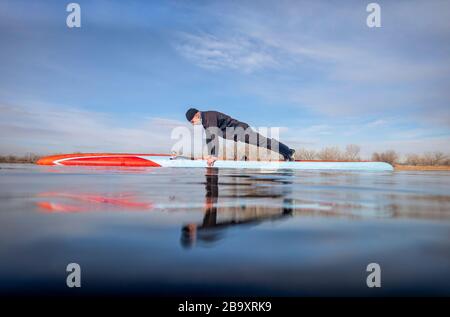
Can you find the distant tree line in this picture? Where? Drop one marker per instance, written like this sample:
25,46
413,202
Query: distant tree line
352,153
28,158
433,158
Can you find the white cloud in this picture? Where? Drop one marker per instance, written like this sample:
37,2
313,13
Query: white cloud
376,123
318,129
327,59
248,37
43,129
211,52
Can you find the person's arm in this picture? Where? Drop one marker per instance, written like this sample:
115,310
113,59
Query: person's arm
210,123
211,142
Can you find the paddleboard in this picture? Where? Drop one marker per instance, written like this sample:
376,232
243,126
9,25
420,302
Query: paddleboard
166,160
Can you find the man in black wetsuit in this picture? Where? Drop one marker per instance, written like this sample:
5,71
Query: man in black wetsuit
219,124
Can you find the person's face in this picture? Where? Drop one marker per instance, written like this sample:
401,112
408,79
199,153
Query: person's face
197,119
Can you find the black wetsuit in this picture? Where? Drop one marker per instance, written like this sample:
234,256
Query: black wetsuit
216,124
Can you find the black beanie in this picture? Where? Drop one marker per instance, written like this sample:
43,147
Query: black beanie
191,113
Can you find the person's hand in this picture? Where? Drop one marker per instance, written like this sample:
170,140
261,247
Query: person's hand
210,160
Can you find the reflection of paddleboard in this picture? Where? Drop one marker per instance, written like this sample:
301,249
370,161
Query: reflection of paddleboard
88,202
165,160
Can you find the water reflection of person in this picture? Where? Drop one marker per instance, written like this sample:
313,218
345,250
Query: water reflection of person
209,229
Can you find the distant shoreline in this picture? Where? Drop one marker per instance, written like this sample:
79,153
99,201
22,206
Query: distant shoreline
400,167
15,159
32,159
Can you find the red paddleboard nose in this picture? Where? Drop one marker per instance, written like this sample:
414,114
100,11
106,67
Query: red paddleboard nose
98,159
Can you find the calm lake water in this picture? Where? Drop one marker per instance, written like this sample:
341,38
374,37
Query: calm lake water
180,231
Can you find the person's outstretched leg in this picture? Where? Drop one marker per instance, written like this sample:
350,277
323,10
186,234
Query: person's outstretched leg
283,149
251,137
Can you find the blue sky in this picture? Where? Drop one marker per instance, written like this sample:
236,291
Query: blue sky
124,79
